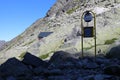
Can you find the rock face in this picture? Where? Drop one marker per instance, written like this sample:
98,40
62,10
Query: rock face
2,42
66,68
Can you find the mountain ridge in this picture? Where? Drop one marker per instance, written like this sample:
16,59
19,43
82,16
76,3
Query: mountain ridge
2,42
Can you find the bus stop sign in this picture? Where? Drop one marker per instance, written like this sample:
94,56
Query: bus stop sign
88,16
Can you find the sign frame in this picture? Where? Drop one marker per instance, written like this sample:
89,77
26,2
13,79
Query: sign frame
82,30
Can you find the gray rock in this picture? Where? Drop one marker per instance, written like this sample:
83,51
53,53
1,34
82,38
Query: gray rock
66,65
60,7
79,65
38,78
52,66
112,70
60,57
2,43
80,78
99,77
34,61
14,67
38,71
87,63
91,65
58,78
11,78
114,52
1,78
53,72
89,77
102,60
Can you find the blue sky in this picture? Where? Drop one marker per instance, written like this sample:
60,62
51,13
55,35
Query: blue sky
17,15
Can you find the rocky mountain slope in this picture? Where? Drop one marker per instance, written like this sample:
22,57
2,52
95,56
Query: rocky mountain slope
2,42
64,20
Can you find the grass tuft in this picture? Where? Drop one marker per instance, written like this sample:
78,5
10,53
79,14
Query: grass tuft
70,11
107,42
29,43
22,55
44,56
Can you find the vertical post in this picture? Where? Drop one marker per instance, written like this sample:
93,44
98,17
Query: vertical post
94,31
82,35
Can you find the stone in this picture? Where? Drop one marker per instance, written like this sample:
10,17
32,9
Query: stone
79,65
112,70
52,66
89,77
114,52
102,60
58,78
38,78
99,77
53,72
11,78
60,57
13,67
66,65
1,78
38,70
80,78
89,63
34,61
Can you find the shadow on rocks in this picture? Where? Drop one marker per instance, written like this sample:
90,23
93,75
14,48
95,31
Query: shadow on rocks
14,67
33,61
61,58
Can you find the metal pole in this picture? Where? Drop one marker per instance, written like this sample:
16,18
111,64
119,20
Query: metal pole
82,35
94,31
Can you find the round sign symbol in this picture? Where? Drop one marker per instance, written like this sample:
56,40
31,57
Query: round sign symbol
88,16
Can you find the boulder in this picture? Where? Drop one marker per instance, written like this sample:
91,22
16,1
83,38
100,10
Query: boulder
11,78
89,63
99,77
60,57
38,78
13,67
1,78
54,72
80,78
38,70
112,70
114,52
34,61
58,78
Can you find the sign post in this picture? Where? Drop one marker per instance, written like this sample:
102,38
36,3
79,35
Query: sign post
88,31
